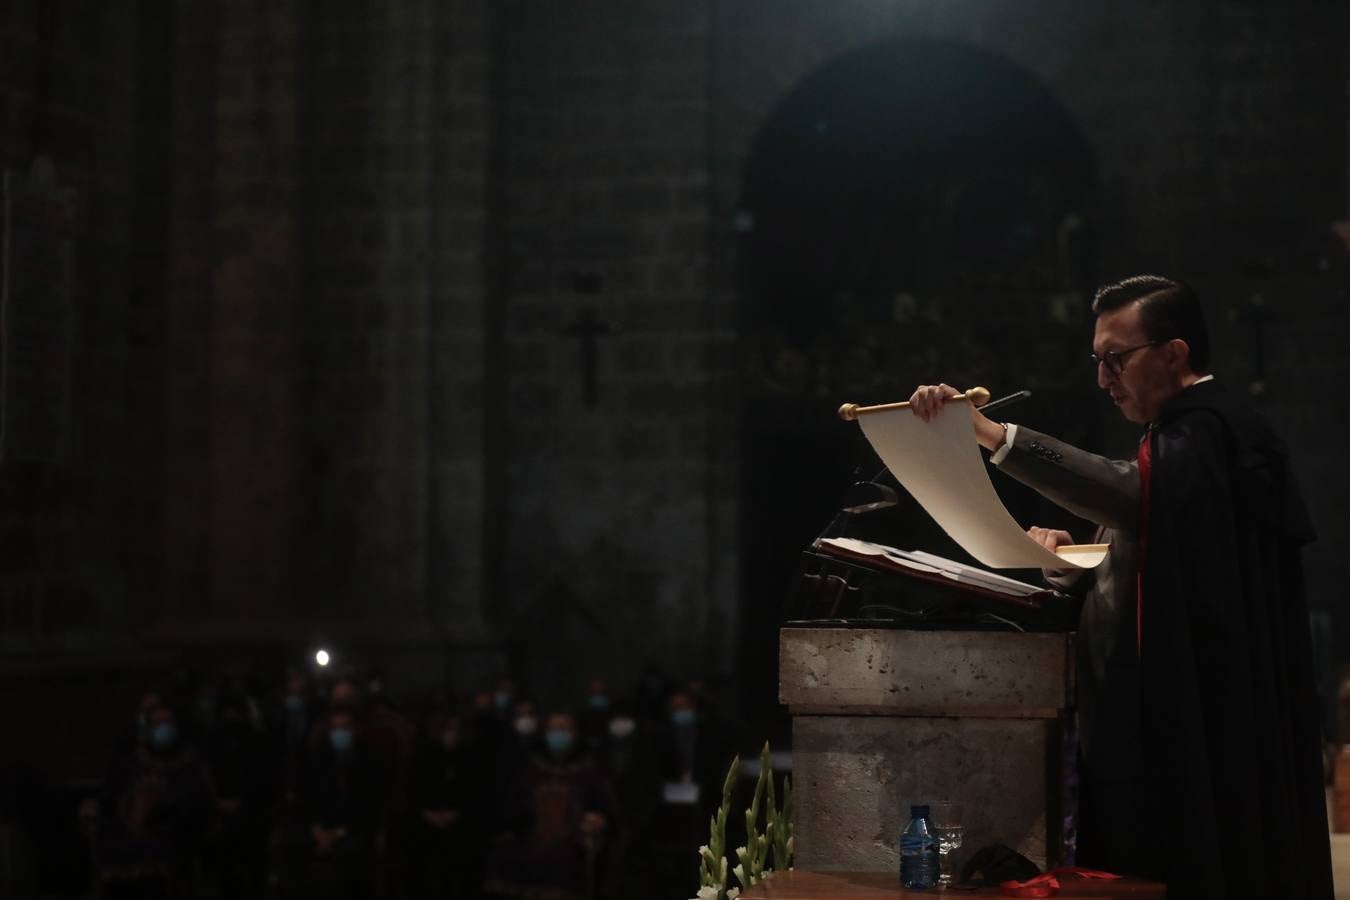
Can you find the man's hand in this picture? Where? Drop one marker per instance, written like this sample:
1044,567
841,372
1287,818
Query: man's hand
1051,539
928,399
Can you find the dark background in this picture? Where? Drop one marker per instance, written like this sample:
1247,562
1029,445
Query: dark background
470,337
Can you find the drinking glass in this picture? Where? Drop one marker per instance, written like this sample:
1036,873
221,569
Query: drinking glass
945,817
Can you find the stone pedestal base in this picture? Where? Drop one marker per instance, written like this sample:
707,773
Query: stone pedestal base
886,719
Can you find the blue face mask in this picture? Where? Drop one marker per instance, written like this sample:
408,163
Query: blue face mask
599,701
682,718
559,742
502,699
163,735
294,703
342,739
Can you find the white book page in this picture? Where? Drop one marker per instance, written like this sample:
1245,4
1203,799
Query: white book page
937,565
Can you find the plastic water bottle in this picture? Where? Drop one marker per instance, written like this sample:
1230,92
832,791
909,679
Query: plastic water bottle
918,851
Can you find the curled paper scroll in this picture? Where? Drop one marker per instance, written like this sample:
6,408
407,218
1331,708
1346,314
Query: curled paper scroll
939,463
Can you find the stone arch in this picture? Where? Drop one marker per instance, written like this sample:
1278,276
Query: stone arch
912,209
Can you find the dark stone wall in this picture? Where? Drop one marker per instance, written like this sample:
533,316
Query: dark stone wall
328,322
421,326
613,534
87,92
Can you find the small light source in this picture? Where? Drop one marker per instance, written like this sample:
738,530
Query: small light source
321,657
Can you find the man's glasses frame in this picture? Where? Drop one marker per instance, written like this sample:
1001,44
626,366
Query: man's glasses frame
1115,360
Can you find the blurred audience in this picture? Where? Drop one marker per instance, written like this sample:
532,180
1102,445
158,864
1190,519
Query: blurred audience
332,790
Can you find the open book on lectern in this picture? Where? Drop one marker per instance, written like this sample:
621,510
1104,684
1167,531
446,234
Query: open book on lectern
879,556
940,464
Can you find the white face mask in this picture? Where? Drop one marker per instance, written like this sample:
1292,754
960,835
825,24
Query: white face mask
622,728
526,725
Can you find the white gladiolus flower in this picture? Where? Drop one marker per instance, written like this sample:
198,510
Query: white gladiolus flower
708,892
733,893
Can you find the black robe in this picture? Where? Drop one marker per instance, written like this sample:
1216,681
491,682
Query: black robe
1229,728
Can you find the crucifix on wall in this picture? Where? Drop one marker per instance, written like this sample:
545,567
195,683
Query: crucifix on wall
588,328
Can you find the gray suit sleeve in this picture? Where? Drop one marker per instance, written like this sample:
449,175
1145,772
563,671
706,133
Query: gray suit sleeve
1103,491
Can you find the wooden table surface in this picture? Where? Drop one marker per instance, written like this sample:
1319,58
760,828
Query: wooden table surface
800,885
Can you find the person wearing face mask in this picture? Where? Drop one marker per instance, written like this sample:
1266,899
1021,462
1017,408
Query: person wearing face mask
290,722
633,769
695,749
158,806
332,850
516,743
445,813
1197,700
556,820
504,698
244,778
693,753
594,717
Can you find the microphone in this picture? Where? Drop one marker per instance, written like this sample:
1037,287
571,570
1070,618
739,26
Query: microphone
861,497
1004,401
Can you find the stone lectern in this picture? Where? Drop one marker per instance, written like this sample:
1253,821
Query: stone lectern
883,718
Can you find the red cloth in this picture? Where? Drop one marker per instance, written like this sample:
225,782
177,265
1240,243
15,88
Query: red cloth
1047,885
1145,458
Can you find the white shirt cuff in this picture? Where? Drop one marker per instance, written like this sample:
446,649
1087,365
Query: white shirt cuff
1002,452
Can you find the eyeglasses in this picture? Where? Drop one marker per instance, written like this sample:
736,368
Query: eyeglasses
1114,360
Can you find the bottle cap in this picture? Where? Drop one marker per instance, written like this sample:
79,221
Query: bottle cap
919,811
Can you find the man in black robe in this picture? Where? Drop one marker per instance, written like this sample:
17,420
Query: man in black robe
1204,764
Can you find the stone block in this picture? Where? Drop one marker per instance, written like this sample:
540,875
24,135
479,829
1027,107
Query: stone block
902,671
854,779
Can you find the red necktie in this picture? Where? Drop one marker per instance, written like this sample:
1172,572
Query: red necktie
1145,458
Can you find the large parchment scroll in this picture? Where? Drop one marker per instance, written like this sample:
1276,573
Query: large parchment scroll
939,463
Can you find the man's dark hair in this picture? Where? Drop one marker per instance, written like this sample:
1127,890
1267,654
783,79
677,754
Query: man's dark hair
1167,309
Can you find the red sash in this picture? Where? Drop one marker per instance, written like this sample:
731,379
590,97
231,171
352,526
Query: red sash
1145,458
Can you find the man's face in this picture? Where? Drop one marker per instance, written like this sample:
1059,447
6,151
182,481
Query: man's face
1148,377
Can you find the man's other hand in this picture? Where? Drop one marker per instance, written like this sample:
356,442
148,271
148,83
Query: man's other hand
1051,539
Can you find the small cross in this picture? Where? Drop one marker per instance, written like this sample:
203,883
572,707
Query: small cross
588,327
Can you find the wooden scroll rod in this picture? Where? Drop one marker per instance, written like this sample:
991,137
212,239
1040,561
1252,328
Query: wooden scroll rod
850,411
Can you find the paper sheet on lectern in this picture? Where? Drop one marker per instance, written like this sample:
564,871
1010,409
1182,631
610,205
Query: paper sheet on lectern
939,463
